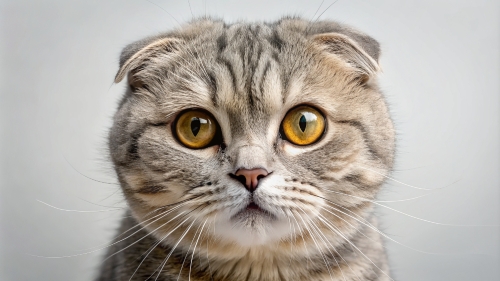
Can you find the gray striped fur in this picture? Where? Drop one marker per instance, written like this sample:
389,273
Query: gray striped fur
183,203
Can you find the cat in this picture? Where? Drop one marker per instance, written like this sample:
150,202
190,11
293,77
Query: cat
250,151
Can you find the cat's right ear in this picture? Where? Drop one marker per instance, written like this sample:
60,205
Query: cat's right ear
135,56
361,55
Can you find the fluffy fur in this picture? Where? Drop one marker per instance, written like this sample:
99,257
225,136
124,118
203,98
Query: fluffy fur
186,220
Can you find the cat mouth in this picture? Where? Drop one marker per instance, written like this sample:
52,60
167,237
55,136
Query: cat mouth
252,209
253,206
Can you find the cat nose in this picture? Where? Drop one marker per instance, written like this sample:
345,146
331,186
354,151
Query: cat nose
250,178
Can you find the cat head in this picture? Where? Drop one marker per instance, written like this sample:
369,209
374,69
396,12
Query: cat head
263,132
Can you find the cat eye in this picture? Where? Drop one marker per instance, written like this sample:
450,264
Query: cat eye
303,125
195,128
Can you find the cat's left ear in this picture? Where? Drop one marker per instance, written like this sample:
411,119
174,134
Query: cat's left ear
362,56
137,55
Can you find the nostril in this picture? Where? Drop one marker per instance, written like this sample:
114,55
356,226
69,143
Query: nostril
239,178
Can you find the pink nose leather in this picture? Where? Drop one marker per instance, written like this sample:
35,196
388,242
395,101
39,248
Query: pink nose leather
252,177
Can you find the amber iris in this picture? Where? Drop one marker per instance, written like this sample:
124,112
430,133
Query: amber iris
195,129
303,125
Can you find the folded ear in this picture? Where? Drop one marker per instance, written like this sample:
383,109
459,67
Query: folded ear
362,55
136,55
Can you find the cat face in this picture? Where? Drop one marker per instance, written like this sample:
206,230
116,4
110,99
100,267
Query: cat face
262,132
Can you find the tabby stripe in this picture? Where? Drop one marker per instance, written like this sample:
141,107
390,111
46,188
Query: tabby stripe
353,178
229,67
358,125
133,147
263,78
276,41
213,88
222,42
252,91
151,190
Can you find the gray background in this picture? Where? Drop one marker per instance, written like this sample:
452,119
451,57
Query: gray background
440,74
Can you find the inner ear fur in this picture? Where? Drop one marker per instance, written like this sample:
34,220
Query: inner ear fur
349,51
136,55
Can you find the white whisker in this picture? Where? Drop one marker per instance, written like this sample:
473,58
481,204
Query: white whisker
339,255
333,228
79,211
156,244
327,242
408,215
165,12
187,252
325,10
316,243
194,249
93,251
395,180
171,251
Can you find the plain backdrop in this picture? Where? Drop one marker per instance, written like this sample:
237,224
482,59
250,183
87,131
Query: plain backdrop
441,74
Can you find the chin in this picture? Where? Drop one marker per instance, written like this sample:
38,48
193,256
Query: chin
253,226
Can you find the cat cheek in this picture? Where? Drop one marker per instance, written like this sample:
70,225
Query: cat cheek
295,150
160,199
156,200
290,150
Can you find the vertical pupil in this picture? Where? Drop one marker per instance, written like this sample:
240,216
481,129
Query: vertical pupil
195,125
302,123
